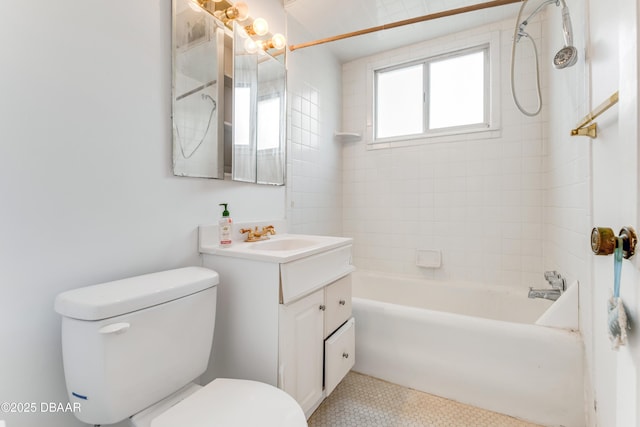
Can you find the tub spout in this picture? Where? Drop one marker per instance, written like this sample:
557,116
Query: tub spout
551,294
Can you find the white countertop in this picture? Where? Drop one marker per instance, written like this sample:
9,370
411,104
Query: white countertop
279,248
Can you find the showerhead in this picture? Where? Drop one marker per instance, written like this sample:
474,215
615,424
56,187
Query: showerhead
568,55
567,29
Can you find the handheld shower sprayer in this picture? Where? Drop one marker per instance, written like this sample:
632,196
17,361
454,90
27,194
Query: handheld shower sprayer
566,57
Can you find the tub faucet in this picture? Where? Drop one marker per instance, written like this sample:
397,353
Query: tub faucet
558,286
556,280
550,294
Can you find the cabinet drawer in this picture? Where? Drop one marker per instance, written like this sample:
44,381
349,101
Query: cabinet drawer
301,277
339,355
337,301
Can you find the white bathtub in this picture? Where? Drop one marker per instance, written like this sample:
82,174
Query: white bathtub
470,343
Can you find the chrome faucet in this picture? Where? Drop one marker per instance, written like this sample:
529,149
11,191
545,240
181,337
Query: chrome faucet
551,294
556,280
558,286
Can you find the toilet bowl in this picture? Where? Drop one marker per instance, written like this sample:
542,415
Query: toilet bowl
225,403
132,349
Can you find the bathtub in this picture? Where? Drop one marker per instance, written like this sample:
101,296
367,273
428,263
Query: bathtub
471,343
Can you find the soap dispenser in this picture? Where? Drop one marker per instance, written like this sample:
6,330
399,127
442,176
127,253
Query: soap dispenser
225,228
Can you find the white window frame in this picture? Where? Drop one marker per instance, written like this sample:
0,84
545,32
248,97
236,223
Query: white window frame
433,51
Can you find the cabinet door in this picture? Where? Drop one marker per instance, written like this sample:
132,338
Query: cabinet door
337,298
301,349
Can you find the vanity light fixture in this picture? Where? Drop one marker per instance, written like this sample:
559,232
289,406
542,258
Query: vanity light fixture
238,12
277,41
259,27
198,5
250,45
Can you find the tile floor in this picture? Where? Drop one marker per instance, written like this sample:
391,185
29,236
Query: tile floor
363,401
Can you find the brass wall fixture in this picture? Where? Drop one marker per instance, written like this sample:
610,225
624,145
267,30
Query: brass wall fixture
259,27
212,7
586,127
227,12
277,41
603,241
238,12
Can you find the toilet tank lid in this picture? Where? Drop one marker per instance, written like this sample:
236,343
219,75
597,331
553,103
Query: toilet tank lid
135,293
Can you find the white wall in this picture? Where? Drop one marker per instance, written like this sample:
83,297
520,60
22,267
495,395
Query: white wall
595,183
613,53
480,202
86,189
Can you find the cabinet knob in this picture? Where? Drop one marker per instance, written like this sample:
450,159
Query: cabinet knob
322,307
345,355
342,302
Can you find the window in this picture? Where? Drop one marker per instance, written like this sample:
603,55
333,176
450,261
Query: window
442,94
400,101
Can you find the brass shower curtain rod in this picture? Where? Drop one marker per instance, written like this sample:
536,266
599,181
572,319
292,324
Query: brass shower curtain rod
402,23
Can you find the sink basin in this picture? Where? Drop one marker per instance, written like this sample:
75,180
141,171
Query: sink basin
283,245
280,248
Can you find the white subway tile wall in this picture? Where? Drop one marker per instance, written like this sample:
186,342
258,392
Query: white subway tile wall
567,171
314,158
481,202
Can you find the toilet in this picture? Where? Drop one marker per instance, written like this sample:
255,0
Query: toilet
132,349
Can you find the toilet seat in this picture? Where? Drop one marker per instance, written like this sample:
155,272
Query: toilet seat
232,403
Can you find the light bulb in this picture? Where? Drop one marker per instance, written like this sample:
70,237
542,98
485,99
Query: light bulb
278,41
250,46
260,26
242,11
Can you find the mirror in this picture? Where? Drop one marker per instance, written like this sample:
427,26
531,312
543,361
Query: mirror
251,144
197,92
259,94
270,121
245,100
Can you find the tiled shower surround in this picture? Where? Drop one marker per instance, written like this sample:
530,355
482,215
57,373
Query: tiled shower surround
314,165
481,202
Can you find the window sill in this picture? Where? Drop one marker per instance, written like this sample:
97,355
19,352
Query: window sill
441,137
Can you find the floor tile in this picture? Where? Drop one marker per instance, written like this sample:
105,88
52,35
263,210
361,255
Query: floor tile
363,401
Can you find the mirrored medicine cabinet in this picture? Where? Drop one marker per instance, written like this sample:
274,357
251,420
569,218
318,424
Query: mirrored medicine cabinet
228,103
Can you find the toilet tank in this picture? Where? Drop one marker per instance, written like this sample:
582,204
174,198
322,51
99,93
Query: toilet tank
130,343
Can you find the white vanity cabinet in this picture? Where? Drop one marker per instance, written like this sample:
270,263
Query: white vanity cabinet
309,359
285,323
301,349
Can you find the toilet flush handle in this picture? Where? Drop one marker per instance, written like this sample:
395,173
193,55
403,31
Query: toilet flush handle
114,328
